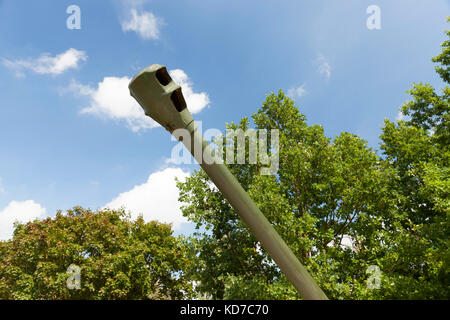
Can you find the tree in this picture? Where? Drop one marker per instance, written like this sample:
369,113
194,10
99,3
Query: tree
322,187
417,149
118,258
340,207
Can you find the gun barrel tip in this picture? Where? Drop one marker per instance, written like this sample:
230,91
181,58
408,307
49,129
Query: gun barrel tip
150,69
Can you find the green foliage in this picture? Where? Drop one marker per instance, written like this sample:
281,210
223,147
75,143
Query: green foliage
119,258
418,152
314,202
393,208
444,59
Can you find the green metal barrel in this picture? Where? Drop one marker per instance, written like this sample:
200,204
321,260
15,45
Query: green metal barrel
162,99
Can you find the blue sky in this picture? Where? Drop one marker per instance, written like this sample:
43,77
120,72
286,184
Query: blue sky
66,140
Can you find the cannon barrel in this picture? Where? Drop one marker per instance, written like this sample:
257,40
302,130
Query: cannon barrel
162,100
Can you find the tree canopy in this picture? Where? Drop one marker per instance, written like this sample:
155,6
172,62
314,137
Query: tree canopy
118,258
343,209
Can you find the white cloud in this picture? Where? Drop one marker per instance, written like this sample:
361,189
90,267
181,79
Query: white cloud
111,100
400,116
324,67
47,64
195,101
18,211
297,92
145,24
77,89
156,199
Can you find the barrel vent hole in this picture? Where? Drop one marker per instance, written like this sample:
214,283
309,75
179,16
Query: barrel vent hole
178,100
163,77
